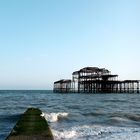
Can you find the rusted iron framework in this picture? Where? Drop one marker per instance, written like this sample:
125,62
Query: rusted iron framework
96,80
63,85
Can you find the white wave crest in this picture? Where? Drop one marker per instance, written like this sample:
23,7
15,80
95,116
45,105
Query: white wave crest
119,119
97,132
54,117
63,134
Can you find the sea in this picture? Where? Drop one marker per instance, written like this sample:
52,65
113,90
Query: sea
74,116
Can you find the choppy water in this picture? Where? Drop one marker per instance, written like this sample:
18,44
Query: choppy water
76,116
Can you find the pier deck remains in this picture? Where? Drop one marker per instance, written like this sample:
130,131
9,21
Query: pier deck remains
95,80
31,126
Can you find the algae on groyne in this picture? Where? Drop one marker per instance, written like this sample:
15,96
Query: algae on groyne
31,126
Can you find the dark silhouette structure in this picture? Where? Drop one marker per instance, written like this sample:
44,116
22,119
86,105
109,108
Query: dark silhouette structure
95,80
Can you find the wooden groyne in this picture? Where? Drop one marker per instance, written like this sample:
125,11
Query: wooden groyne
31,126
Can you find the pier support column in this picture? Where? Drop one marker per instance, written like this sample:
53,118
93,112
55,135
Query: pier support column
138,87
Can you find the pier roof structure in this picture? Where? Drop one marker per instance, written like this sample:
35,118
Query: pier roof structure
63,81
91,70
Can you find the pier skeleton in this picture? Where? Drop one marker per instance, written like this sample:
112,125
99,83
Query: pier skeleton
95,80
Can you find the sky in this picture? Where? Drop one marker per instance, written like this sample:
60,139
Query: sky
42,41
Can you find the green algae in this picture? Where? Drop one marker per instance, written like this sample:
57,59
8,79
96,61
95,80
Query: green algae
31,123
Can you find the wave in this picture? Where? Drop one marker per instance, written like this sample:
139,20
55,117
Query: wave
94,114
133,117
54,117
97,132
67,134
119,119
114,101
125,117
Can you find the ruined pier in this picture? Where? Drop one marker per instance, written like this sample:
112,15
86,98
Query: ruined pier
96,80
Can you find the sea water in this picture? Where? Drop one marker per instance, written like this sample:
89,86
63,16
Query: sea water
75,116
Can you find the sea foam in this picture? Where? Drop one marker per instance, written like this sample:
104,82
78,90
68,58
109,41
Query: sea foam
65,134
94,132
54,117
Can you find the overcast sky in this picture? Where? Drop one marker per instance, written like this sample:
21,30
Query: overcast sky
42,41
